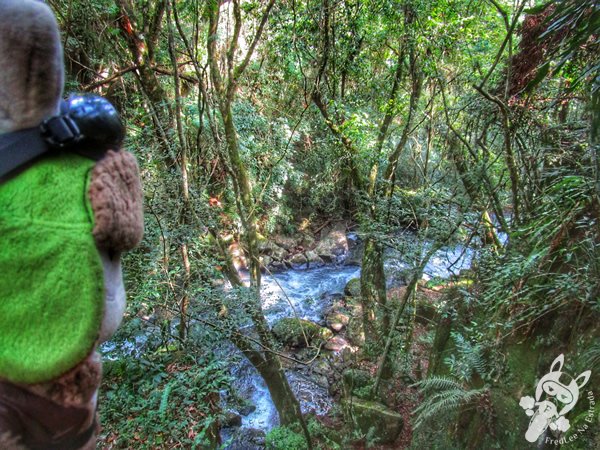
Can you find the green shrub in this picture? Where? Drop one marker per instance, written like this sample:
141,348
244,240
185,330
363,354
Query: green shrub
160,400
283,438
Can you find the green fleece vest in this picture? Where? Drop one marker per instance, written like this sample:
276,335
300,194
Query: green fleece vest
51,277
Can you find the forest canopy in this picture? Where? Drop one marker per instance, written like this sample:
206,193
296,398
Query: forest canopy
407,127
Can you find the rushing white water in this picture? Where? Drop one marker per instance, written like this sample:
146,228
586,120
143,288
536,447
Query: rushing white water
307,294
444,263
303,292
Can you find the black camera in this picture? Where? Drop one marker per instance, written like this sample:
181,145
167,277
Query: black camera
87,121
87,125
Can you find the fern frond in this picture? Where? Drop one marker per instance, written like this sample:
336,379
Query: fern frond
591,357
445,404
164,400
435,383
448,396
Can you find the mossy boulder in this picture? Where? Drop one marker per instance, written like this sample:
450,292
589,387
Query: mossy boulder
271,249
247,439
337,320
522,360
279,254
314,260
352,288
291,332
373,418
508,425
286,242
265,261
426,303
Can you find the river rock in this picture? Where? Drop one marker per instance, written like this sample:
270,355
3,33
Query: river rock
286,242
248,409
277,266
298,261
336,344
314,260
352,288
337,321
336,326
279,253
265,261
307,241
231,419
333,246
374,418
266,247
356,249
248,439
289,332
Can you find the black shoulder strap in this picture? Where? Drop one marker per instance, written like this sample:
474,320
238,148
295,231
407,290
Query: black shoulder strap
102,129
20,147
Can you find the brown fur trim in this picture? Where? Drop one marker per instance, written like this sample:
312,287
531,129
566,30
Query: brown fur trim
116,197
77,387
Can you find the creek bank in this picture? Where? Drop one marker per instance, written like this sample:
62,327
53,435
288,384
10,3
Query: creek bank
302,251
381,417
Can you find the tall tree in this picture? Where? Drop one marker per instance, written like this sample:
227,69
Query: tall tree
225,82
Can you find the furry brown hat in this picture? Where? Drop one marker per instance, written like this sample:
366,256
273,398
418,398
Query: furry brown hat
26,100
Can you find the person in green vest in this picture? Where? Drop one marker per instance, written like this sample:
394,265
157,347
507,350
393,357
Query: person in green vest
65,219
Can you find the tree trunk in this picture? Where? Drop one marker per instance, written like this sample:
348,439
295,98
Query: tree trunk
224,83
141,48
372,291
281,393
185,189
243,190
488,235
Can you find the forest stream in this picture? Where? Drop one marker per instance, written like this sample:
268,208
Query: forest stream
308,294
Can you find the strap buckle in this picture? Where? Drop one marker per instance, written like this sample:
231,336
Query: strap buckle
60,131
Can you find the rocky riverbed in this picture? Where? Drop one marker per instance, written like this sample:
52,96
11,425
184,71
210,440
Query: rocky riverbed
310,294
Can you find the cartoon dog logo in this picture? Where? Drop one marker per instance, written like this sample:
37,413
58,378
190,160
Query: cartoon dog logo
553,399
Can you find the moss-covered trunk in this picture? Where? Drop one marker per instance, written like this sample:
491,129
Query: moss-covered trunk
224,81
243,192
281,393
372,291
